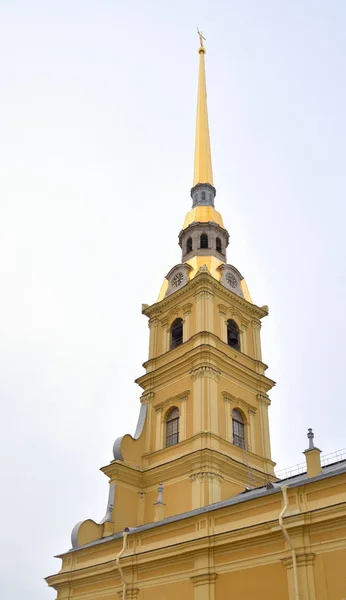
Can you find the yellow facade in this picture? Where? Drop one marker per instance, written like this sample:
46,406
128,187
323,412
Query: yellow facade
205,518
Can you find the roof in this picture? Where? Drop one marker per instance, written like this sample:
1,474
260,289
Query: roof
291,482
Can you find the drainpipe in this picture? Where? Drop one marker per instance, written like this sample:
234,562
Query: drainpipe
287,538
117,560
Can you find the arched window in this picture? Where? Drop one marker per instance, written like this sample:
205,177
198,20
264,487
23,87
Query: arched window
233,337
176,333
204,241
172,427
238,428
203,196
218,245
189,245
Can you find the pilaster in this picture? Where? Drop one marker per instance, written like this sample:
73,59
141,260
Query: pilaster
204,586
228,419
187,316
159,427
206,488
198,490
223,322
305,572
243,338
252,437
165,336
205,399
264,402
204,310
153,327
140,508
131,593
256,328
182,420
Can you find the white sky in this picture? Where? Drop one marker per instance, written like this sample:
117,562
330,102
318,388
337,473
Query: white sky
96,153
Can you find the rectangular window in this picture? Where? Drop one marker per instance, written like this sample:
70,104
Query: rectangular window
172,432
238,433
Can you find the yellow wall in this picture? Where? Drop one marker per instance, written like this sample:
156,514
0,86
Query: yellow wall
268,582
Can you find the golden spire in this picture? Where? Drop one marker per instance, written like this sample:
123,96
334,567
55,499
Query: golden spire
203,172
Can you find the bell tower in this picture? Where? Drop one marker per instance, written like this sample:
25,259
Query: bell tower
203,432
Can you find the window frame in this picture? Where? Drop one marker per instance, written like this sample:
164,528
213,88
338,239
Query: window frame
172,427
204,237
231,324
238,429
176,341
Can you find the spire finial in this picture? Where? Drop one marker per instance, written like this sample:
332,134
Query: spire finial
311,436
201,38
203,172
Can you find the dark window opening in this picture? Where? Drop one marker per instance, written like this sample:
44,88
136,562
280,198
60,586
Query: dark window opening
189,245
203,196
176,333
172,427
204,241
233,337
218,245
238,428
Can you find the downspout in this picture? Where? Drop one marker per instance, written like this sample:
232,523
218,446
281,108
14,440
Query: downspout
117,560
287,538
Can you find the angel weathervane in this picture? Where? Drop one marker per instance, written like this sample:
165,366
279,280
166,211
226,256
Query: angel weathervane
201,37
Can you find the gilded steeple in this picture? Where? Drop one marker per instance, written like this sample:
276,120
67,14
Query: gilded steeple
203,171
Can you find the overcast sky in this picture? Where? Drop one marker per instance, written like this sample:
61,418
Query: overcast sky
97,123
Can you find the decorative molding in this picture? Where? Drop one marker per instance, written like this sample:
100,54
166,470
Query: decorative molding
173,314
245,406
205,371
209,295
110,506
182,397
203,579
131,593
187,308
153,322
204,275
201,475
147,397
222,309
263,399
256,324
305,560
140,425
202,269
